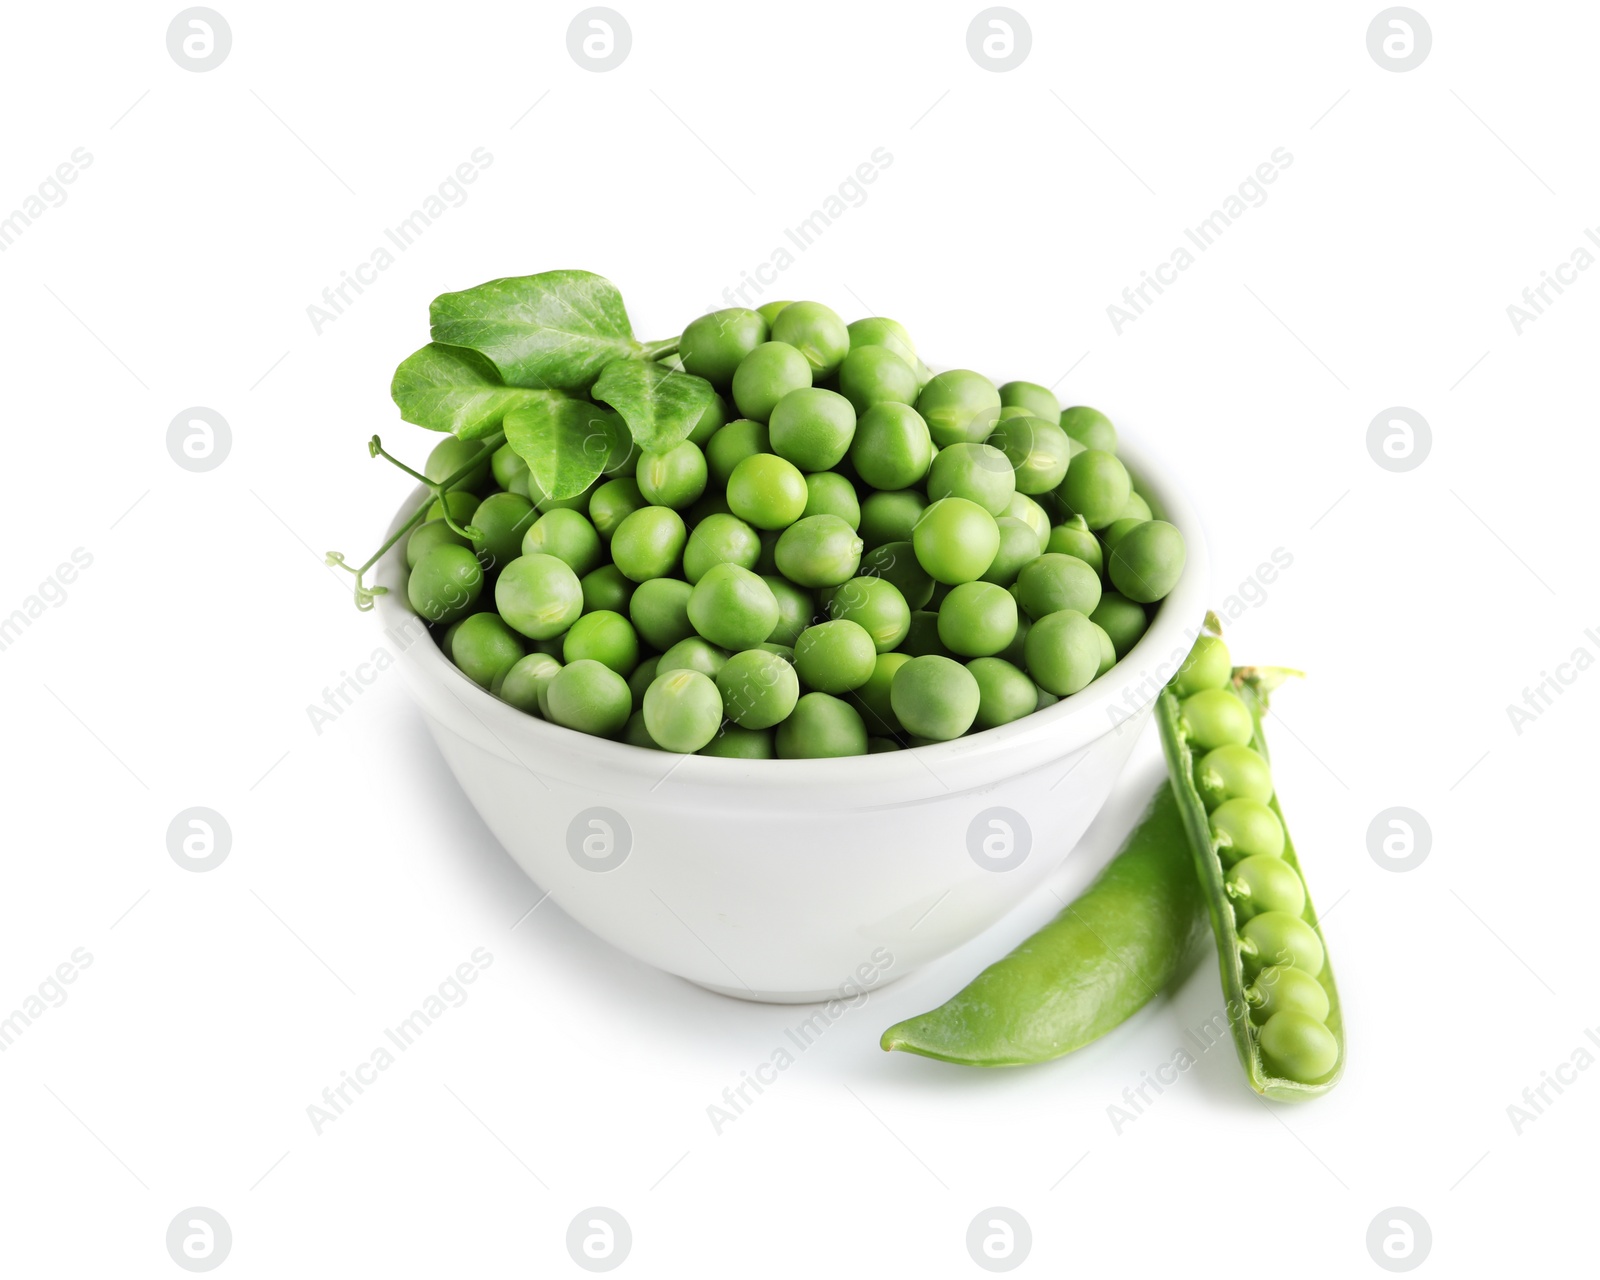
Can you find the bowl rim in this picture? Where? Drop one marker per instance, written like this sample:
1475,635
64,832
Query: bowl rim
1069,725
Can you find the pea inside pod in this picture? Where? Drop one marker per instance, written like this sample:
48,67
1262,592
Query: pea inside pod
1282,1004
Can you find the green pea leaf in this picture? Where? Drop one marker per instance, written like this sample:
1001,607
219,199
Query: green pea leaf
554,330
456,390
660,405
566,443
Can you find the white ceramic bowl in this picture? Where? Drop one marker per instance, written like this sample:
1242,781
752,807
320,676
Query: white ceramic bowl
798,880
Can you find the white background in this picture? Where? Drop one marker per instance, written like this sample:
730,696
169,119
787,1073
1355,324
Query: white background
178,669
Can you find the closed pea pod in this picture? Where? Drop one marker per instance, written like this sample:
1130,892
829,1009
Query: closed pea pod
1131,935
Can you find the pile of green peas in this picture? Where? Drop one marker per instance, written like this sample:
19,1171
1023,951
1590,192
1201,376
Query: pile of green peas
848,554
1282,954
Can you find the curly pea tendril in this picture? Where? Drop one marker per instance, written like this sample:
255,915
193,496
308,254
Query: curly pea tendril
365,595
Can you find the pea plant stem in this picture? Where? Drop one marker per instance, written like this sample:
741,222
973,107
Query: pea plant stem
658,350
365,595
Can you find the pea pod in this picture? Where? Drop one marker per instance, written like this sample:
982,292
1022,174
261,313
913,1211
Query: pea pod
1281,1000
1130,935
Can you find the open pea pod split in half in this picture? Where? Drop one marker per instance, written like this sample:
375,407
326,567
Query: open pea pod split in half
1281,1000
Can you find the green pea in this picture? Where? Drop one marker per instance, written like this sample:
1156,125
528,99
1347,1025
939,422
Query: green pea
447,582
1039,402
1136,508
1281,988
485,648
451,454
510,470
682,710
604,637
732,607
834,657
501,521
1053,582
606,588
523,681
712,419
876,375
732,444
812,428
758,688
795,609
1208,666
922,636
959,405
1024,508
693,654
1073,538
1114,532
1108,651
1231,772
566,535
956,540
1244,828
1019,547
891,448
880,331
765,376
818,551
872,698
769,310
1298,1047
767,561
934,697
816,331
590,697
1016,652
821,726
734,743
1063,652
1038,450
636,733
1121,619
830,494
979,473
428,535
977,619
659,611
1096,487
1264,883
896,563
767,491
1004,692
672,478
640,678
1276,937
647,543
462,505
720,538
877,606
1216,718
712,346
1148,561
890,517
1089,427
612,503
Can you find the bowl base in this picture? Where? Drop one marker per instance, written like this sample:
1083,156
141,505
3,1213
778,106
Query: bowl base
788,997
